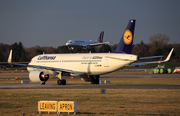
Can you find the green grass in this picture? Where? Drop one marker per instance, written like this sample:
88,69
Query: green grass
91,102
138,102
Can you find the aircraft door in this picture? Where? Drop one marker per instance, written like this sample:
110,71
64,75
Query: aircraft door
106,62
61,62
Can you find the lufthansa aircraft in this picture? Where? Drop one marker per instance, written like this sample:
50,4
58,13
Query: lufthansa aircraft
89,66
86,44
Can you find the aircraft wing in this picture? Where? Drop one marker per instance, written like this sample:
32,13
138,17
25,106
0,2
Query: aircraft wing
72,71
144,63
141,58
43,67
96,44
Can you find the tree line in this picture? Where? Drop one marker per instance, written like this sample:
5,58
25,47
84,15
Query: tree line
158,45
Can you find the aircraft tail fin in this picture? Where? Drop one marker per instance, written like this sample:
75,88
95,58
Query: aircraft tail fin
100,38
125,44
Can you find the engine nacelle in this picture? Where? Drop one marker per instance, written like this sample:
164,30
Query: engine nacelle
38,76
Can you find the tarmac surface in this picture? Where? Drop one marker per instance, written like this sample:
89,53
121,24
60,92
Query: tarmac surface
114,75
100,86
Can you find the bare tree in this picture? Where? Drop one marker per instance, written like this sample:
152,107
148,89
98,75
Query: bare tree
158,41
141,49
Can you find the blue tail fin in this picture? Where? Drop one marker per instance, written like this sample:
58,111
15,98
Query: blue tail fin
125,44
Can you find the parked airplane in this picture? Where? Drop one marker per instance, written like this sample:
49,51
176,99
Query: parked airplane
89,66
86,44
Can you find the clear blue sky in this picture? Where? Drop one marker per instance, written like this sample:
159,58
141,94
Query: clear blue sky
54,22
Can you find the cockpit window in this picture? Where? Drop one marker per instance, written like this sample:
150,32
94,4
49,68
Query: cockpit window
69,41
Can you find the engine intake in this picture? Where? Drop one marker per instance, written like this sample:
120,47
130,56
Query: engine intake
38,76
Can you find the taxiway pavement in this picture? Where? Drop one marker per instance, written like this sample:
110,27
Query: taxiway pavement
100,86
118,75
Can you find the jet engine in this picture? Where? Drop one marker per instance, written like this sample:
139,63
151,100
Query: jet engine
38,76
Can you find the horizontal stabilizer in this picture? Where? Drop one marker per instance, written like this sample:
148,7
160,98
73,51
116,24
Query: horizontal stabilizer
123,59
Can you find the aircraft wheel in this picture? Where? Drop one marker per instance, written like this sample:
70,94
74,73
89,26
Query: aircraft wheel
63,82
97,79
43,83
92,80
59,82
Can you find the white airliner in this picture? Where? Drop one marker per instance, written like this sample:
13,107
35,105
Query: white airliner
89,66
86,44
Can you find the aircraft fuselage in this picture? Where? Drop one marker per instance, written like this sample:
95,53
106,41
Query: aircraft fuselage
86,63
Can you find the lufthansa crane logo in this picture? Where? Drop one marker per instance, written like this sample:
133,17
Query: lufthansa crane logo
127,37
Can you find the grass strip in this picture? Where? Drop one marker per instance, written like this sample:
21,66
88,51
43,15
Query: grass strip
91,102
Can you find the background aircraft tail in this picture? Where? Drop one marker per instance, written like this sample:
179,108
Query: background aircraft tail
125,44
100,39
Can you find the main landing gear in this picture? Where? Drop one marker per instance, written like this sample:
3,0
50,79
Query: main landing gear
95,79
61,82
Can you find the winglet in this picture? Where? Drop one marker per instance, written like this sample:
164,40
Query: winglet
169,55
10,57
